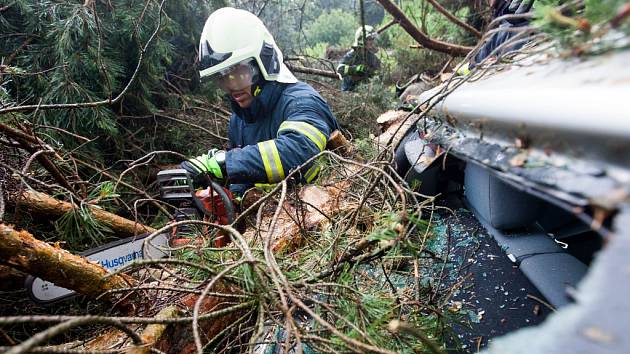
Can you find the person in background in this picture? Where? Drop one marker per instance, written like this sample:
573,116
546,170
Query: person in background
278,123
503,8
361,62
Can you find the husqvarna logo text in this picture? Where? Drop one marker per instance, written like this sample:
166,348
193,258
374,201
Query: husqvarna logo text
120,261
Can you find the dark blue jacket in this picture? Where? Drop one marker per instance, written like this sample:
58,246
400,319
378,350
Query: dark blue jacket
502,8
285,125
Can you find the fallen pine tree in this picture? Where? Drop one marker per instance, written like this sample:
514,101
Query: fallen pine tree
296,279
43,204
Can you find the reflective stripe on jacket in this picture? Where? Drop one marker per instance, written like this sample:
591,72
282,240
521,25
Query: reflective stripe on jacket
286,125
357,56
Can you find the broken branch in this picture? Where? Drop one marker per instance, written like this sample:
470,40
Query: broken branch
421,37
454,19
22,251
46,205
311,71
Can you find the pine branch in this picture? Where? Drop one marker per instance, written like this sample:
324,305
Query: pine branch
94,104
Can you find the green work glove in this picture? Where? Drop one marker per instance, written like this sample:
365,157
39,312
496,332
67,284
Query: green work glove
360,69
464,69
212,163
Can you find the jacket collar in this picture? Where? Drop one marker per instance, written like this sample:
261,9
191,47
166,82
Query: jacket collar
262,105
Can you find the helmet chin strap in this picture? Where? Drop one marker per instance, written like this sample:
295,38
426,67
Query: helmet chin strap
258,86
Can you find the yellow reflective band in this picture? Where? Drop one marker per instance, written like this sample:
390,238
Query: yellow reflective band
271,161
312,172
267,187
307,130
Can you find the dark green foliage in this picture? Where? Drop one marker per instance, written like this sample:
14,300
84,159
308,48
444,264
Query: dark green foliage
595,11
89,51
55,52
79,227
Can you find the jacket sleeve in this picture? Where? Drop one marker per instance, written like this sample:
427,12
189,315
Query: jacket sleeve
345,66
303,134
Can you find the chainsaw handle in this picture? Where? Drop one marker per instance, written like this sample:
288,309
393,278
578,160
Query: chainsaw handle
227,202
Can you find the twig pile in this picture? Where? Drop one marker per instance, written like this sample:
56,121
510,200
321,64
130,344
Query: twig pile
336,289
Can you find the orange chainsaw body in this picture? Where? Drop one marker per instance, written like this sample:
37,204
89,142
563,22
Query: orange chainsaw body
213,203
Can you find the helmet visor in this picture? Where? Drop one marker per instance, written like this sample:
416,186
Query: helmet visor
237,77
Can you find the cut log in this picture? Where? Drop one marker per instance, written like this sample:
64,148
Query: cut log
44,204
397,126
319,204
179,338
153,332
388,118
22,251
175,338
339,144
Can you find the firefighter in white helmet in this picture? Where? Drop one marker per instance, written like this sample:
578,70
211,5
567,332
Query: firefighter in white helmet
278,122
361,62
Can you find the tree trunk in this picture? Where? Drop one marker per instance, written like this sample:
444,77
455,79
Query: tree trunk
397,125
305,70
44,204
20,250
176,338
317,204
153,332
179,338
419,36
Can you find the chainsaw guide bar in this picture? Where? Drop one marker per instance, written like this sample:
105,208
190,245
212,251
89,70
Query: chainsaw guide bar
111,256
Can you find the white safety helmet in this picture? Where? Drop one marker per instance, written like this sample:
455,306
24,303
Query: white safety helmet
236,46
370,33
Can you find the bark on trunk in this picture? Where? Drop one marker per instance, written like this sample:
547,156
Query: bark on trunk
398,124
305,70
175,338
44,204
317,205
340,144
179,339
419,36
153,332
20,250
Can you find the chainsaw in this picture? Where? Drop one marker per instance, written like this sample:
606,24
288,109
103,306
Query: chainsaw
213,204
